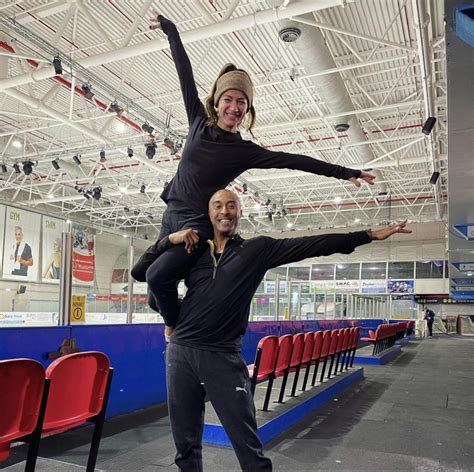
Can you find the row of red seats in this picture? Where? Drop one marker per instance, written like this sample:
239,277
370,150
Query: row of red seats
74,389
278,356
386,334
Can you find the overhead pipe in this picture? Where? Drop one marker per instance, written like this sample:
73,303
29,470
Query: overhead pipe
315,57
216,29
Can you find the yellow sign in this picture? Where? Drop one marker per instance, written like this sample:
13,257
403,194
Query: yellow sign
78,309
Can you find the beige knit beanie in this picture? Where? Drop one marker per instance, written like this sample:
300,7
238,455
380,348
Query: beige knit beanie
236,80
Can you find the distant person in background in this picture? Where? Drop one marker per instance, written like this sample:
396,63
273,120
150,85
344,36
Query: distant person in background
429,317
20,257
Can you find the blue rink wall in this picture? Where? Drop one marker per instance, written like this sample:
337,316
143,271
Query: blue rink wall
137,352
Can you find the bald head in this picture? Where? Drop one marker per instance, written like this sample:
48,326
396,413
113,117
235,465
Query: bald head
224,212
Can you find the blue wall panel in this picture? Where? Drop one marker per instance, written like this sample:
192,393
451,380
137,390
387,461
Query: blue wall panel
33,343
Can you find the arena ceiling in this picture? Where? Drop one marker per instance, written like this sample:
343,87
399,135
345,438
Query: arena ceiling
375,65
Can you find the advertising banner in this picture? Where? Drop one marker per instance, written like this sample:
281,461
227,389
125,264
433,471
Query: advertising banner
51,266
21,246
83,256
401,286
347,286
373,286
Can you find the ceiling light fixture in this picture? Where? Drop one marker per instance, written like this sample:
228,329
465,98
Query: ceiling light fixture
55,164
147,127
102,156
16,167
150,149
130,151
429,125
76,159
27,167
116,108
87,90
58,68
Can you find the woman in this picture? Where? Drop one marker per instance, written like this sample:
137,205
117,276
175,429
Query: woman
214,155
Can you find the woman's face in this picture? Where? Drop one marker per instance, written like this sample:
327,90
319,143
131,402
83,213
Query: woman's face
231,110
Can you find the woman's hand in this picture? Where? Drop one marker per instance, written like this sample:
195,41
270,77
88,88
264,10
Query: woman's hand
369,178
381,234
189,237
154,22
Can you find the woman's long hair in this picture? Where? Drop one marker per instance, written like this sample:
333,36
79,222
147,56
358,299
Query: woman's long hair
248,122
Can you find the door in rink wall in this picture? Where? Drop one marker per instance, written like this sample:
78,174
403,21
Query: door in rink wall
21,245
51,251
83,256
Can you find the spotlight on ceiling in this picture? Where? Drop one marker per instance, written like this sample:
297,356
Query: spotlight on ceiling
244,187
87,89
16,167
142,188
58,68
97,193
268,202
27,167
147,127
77,159
150,149
4,168
55,164
86,195
116,108
130,151
102,156
434,177
429,125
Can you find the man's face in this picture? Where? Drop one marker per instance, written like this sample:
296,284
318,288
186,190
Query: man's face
18,236
224,212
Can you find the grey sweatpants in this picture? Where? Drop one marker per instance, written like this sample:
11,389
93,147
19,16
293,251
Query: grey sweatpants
190,374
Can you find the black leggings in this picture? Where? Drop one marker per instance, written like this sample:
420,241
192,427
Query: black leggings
164,272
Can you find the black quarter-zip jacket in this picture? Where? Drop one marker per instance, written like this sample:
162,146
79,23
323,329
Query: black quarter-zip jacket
215,310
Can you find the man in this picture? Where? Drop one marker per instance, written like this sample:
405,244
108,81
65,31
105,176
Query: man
203,355
429,317
20,257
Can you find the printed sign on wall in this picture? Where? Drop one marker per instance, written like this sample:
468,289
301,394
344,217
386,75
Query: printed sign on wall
401,286
51,266
21,247
83,256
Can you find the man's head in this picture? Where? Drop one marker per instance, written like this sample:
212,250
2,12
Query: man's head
18,234
225,213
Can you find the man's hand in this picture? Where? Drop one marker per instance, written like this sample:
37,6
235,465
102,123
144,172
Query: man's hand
381,234
189,237
168,333
154,23
369,178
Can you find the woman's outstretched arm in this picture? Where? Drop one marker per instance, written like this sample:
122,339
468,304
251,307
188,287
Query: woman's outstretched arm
183,66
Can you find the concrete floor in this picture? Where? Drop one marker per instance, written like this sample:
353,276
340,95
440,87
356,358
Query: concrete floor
415,413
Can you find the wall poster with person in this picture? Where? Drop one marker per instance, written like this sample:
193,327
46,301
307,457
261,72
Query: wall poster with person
51,266
21,246
83,255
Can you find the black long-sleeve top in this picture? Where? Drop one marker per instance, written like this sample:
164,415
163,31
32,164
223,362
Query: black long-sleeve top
213,157
215,310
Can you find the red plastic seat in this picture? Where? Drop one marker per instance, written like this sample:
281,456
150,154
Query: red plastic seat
305,358
22,384
79,389
345,347
317,349
353,347
341,346
331,351
295,361
265,361
282,365
325,350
